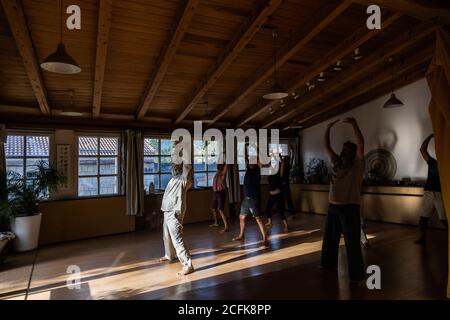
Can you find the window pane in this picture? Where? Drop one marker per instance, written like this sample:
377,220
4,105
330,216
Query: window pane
151,164
87,166
200,180
109,146
151,147
14,165
87,187
240,149
211,178
165,178
38,146
199,164
31,166
166,164
149,178
213,148
87,146
199,148
241,163
108,185
212,165
14,146
108,165
241,177
166,147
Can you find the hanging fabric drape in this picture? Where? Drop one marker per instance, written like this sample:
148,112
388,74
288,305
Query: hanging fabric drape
133,171
438,77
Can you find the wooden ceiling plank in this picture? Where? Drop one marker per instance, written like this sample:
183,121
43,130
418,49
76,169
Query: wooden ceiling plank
314,27
394,47
18,25
355,40
404,66
230,53
104,24
432,11
165,59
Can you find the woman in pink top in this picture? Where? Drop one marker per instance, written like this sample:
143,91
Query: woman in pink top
219,196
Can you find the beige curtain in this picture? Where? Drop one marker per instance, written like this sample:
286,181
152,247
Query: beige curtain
3,195
133,171
438,77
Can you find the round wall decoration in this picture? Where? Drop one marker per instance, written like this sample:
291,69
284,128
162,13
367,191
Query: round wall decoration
380,165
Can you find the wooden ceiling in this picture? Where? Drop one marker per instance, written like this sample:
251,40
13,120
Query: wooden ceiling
154,63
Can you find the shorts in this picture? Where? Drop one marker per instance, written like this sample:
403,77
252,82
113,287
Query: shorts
219,198
250,206
432,200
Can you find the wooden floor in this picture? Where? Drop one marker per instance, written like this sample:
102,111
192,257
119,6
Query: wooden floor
125,266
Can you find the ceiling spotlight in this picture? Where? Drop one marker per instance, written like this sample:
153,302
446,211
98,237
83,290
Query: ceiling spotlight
338,66
295,95
357,55
282,103
271,111
310,86
321,77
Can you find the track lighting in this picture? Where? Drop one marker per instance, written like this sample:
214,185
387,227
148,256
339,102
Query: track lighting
357,55
338,66
321,77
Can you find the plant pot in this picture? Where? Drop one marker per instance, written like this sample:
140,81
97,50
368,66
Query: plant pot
27,232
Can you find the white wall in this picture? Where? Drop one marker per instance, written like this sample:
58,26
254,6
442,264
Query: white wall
399,130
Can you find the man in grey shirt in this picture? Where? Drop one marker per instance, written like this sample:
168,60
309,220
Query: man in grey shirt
174,207
344,204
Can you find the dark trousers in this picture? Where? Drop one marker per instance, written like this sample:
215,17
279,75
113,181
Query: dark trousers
343,219
277,200
286,192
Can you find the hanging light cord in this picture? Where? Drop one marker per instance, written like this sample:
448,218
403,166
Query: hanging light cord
275,34
61,18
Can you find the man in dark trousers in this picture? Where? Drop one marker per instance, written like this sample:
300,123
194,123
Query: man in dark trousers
432,196
344,204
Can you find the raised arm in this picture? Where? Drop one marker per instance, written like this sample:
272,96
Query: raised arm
359,137
329,150
424,148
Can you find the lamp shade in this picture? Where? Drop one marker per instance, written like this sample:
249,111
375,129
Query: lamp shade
276,93
393,102
61,62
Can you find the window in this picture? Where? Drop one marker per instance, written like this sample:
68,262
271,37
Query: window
157,162
24,152
252,151
281,148
98,165
205,162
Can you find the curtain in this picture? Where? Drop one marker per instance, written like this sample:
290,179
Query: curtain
3,193
438,78
133,171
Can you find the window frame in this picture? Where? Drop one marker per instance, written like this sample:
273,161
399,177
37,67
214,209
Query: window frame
207,171
159,155
25,156
118,174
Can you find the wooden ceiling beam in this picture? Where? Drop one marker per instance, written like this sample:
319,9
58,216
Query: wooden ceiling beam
302,37
18,25
436,11
165,59
378,92
104,24
230,53
353,72
345,47
401,68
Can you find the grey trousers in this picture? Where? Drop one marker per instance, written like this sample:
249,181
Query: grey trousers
173,238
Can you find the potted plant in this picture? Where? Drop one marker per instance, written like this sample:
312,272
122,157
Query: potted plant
23,203
317,171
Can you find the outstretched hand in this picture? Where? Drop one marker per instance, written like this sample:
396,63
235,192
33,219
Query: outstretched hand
333,123
350,120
